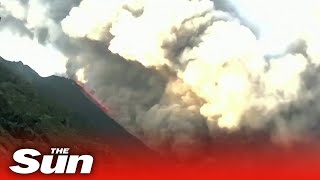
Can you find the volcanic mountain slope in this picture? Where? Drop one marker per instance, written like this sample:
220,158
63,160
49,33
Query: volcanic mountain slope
57,104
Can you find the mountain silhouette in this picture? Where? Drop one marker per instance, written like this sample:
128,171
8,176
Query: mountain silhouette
88,119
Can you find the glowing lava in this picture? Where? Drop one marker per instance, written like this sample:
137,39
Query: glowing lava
95,100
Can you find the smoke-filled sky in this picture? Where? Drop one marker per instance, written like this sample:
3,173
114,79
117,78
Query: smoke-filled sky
176,73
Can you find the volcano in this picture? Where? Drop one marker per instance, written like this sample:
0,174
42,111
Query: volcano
90,117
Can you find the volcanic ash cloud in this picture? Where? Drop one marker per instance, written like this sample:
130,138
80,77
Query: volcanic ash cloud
173,70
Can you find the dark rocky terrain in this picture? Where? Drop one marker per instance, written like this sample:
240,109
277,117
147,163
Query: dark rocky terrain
55,111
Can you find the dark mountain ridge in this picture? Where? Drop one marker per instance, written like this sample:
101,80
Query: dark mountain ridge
88,119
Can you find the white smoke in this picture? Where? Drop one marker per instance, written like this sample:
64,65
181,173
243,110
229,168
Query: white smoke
14,8
190,66
212,54
44,59
30,18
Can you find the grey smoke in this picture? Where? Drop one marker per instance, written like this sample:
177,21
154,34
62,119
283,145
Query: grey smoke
139,97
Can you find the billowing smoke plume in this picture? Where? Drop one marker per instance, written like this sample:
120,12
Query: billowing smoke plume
176,73
31,29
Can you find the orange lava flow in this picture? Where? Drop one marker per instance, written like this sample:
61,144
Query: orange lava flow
93,98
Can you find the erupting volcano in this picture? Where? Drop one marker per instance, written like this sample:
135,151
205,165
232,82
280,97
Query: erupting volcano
94,99
188,78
